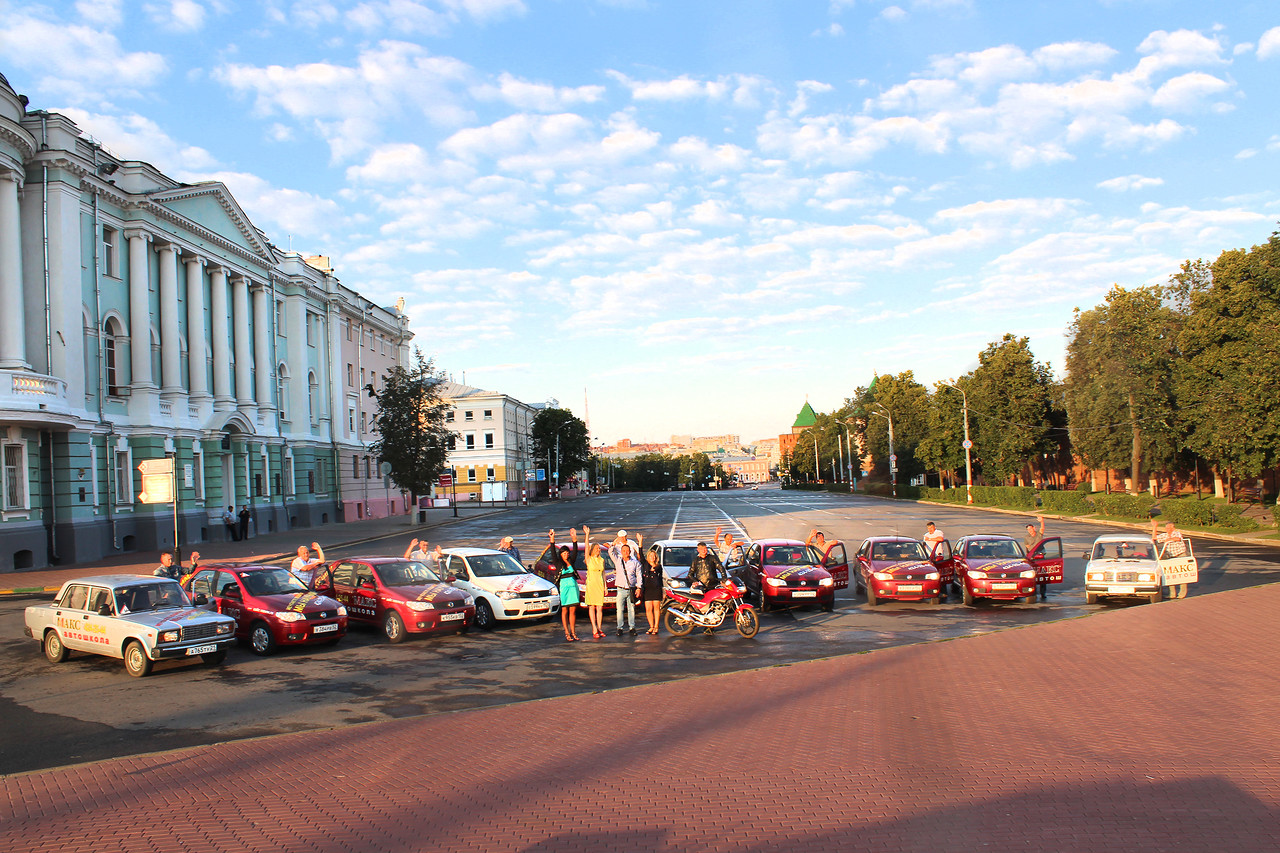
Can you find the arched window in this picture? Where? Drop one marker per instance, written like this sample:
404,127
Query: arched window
112,355
282,390
313,389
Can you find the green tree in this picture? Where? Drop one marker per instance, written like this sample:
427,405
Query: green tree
828,430
412,435
942,447
906,401
1119,386
1012,408
1230,358
575,450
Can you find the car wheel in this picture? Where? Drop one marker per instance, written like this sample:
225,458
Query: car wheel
677,626
1091,598
872,601
393,627
54,650
1027,599
136,662
214,658
261,640
829,607
1155,597
967,595
764,602
747,623
484,615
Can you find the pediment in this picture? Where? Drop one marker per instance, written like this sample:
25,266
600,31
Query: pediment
210,207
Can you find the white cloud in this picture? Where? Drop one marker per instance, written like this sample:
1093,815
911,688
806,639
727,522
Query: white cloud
742,89
986,68
893,13
1125,183
136,137
720,158
1009,211
524,95
1180,49
76,61
1188,92
1066,56
395,162
1269,44
100,13
182,16
403,17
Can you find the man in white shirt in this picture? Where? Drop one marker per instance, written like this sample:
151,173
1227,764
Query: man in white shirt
304,565
933,537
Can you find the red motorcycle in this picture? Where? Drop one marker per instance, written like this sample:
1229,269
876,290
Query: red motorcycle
689,609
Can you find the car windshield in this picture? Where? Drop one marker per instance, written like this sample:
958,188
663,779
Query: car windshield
790,555
494,565
160,595
994,549
1122,551
406,574
681,556
897,552
272,582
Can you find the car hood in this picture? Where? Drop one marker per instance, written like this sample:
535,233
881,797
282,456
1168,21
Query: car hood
807,574
1000,565
182,616
299,602
515,583
902,567
433,592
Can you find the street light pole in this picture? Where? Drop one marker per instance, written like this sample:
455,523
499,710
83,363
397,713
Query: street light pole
816,475
893,459
968,445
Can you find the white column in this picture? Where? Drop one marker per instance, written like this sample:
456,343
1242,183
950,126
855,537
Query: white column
244,351
221,337
140,310
170,329
334,372
197,350
264,370
295,343
13,349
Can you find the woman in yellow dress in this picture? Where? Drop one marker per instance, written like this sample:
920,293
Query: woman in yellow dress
594,596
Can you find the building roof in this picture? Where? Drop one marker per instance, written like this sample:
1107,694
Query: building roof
806,418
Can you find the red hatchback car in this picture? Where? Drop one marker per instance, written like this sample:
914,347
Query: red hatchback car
785,572
270,605
899,568
994,566
400,596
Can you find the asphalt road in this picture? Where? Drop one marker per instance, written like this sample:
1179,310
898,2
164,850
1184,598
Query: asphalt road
88,708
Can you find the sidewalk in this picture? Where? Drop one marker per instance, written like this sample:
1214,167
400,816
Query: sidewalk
267,548
1134,729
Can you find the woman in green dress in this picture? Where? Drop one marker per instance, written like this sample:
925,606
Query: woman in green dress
566,575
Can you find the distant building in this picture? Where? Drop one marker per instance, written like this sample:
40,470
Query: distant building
490,451
787,441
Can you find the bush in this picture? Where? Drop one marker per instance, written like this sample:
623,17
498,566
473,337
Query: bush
1085,486
1228,516
1018,497
1275,511
1067,503
955,496
1183,511
1120,505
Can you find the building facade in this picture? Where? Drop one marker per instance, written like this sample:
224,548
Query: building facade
490,450
146,319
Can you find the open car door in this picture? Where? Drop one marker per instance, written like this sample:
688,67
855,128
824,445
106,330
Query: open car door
836,562
1178,565
1046,556
944,559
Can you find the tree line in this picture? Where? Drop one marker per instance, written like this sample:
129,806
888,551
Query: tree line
1170,381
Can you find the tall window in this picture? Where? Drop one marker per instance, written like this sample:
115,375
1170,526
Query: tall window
488,441
471,441
313,388
197,463
363,421
289,486
282,390
110,252
489,475
471,475
111,350
15,476
124,477
322,481
351,374
451,442
368,468
355,466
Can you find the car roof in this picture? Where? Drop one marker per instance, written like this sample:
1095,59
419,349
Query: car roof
235,567
1121,537
894,538
773,542
116,580
473,552
378,560
988,536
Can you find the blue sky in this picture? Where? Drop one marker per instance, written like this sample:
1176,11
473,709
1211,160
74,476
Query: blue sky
699,213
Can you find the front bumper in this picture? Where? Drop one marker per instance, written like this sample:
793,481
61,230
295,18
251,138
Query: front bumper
427,621
192,648
1001,590
786,595
906,590
298,633
1122,590
529,608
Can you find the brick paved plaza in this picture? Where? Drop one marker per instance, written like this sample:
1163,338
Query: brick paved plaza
1148,728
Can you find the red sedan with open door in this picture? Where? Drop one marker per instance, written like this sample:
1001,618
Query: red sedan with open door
899,568
994,566
785,572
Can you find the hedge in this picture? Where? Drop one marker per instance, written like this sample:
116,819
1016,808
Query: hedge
1067,503
1120,505
1018,497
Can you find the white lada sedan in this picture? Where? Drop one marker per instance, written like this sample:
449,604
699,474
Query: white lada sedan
139,619
503,589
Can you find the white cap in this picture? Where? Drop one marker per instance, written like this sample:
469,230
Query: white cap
622,533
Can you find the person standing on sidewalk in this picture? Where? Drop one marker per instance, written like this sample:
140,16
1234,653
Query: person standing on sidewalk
651,577
1029,542
244,522
304,565
229,521
595,585
627,581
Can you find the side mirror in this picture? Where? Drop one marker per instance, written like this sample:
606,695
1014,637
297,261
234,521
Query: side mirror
201,600
1085,555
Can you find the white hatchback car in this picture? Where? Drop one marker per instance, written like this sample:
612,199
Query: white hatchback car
503,589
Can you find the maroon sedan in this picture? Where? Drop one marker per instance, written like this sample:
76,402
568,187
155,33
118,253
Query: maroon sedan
899,568
400,596
994,566
271,606
783,573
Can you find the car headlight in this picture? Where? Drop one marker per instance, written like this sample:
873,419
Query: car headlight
468,601
1029,573
225,627
1146,577
827,582
775,581
289,616
976,575
169,636
342,610
883,576
1095,576
932,576
421,605
505,594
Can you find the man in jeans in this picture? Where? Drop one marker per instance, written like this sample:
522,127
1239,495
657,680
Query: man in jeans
627,579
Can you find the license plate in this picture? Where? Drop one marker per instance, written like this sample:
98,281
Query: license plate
534,607
201,650
453,617
910,587
1004,586
324,629
804,594
1120,590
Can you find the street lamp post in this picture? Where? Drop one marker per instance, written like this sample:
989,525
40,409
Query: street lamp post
816,475
893,459
848,440
968,445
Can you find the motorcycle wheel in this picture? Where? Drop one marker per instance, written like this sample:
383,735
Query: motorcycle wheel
677,626
747,622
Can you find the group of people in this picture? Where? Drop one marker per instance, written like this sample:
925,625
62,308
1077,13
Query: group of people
636,582
237,525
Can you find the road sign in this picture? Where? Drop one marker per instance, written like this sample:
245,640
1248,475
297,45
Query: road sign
385,469
893,457
156,489
157,466
967,444
446,480
542,474
531,474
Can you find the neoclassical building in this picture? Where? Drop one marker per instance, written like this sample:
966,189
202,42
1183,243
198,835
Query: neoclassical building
490,448
141,319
